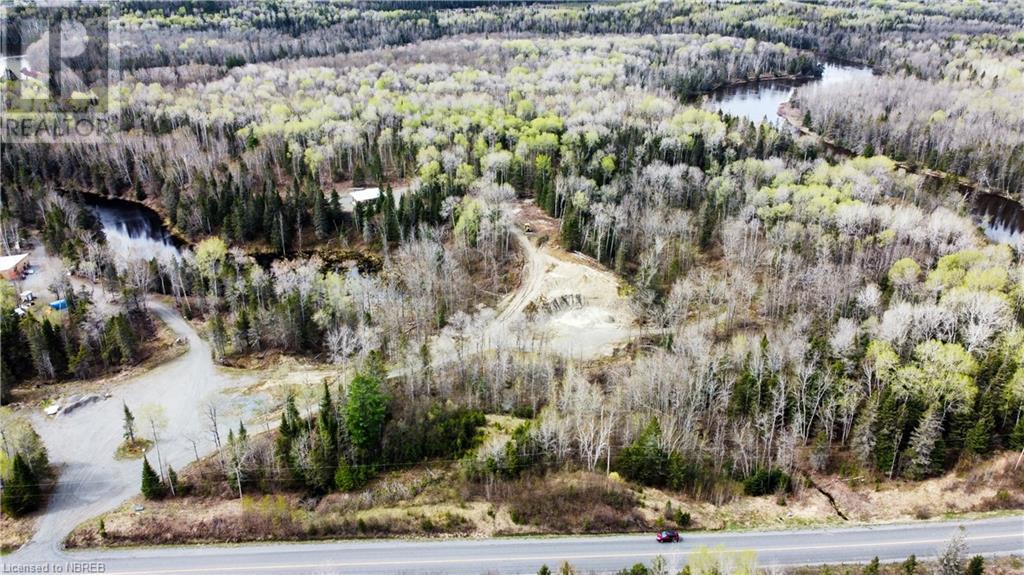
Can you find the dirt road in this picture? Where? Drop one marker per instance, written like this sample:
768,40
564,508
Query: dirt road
82,443
566,304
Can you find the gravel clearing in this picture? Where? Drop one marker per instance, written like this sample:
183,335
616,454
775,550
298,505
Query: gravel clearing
81,443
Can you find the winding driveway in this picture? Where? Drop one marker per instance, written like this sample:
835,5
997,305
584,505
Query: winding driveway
82,443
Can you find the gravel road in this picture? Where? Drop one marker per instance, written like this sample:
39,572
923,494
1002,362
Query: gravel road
82,444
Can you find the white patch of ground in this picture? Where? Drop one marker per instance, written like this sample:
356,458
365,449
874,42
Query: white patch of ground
589,319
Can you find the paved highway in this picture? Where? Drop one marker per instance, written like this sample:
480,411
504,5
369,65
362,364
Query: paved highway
998,536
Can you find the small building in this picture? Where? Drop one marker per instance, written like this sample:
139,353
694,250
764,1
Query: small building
59,305
28,297
358,196
364,195
12,267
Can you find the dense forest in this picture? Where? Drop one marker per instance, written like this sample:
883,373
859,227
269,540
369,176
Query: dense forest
799,310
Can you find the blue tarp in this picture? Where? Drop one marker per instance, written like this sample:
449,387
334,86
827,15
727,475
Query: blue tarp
59,304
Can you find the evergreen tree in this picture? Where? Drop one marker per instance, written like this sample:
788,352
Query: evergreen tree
366,413
571,230
920,456
291,427
8,382
152,488
21,493
358,177
887,432
14,352
324,456
976,566
979,436
321,217
1017,435
79,363
218,336
129,424
909,567
241,331
391,218
55,347
172,480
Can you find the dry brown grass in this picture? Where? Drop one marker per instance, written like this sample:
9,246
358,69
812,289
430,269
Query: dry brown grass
15,532
438,502
578,503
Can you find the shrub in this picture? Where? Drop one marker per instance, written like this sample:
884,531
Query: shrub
909,567
976,565
765,481
590,505
643,460
683,519
352,477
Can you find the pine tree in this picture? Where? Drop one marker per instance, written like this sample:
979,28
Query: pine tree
218,336
172,480
909,567
8,382
15,350
887,433
21,493
1017,435
152,488
324,457
571,230
78,364
976,566
922,445
391,219
129,424
979,436
55,346
365,415
321,218
293,427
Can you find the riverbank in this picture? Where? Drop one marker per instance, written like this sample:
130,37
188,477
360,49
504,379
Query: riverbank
793,116
759,79
179,239
1002,216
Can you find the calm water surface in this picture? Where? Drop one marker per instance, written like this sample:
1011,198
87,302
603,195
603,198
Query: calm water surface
759,101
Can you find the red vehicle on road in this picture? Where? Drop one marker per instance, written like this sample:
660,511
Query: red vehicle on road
669,537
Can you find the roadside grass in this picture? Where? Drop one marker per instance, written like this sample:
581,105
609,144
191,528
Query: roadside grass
133,449
15,532
439,501
1008,565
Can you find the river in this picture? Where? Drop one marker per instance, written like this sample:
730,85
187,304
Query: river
133,231
1002,219
759,101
